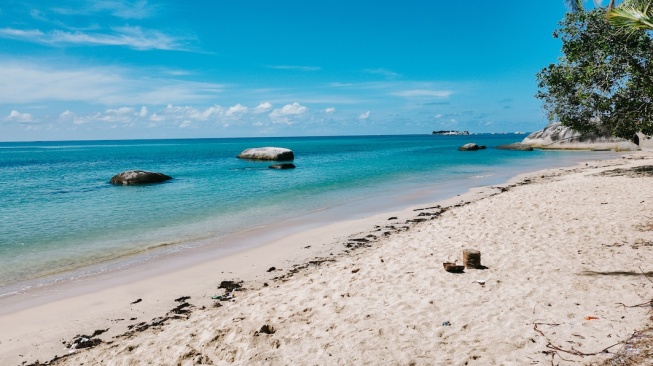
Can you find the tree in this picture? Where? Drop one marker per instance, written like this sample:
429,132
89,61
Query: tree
604,81
577,5
632,15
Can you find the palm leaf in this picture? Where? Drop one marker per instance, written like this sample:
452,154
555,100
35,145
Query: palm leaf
630,18
574,5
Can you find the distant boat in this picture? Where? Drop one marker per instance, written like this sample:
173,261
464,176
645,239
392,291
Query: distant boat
450,133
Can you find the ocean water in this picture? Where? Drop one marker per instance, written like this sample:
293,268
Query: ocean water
60,217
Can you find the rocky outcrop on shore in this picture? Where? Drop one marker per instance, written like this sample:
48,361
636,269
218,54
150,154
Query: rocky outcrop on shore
557,136
516,146
267,153
138,177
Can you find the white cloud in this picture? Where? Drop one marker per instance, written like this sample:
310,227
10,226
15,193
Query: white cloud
383,72
16,116
122,110
209,112
29,83
423,93
185,124
299,68
177,113
132,37
124,9
438,116
287,112
236,110
130,115
364,116
340,85
67,114
19,33
70,116
263,107
119,115
156,118
330,110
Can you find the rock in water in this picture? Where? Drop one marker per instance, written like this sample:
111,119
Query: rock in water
282,166
471,147
267,153
557,136
515,146
138,177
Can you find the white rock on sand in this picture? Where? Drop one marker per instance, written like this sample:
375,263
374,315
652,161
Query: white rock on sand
565,250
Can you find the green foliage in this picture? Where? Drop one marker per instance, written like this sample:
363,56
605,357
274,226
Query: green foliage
604,82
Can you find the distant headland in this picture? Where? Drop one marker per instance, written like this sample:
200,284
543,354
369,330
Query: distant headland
451,133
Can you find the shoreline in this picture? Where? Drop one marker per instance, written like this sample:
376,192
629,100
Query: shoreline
101,308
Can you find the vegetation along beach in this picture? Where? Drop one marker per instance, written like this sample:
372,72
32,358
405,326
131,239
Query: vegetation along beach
296,183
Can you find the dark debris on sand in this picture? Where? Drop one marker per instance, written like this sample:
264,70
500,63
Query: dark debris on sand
644,171
85,341
80,341
299,267
231,286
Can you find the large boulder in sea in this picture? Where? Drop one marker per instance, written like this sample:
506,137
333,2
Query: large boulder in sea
557,136
138,177
471,147
267,153
516,146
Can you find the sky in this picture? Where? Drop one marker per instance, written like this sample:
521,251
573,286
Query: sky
144,69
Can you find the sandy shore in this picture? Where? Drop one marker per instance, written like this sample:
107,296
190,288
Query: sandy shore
567,254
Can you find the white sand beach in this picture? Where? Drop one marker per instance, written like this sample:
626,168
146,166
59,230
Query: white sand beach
568,281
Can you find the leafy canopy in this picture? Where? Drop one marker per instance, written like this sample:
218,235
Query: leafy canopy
604,82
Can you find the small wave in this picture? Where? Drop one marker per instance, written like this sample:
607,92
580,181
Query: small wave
481,176
79,190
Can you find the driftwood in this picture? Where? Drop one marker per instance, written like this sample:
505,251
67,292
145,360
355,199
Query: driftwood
555,349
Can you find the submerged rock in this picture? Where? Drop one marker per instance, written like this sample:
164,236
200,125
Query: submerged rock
515,146
267,153
471,147
282,166
557,136
138,177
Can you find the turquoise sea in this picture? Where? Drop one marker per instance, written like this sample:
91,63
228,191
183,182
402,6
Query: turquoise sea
60,218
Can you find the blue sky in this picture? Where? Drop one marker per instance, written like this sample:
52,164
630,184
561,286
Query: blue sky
119,69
